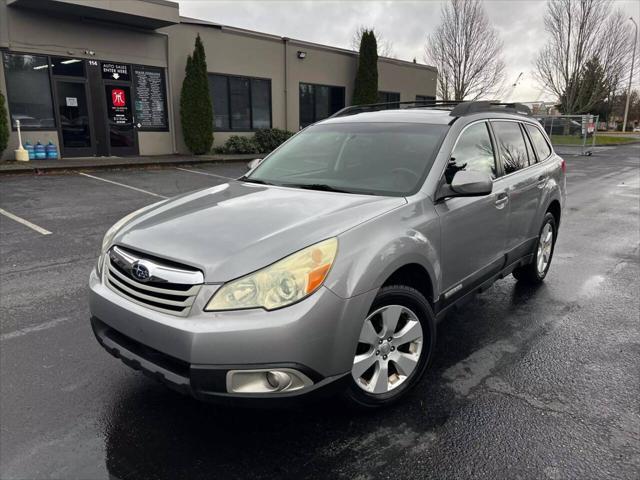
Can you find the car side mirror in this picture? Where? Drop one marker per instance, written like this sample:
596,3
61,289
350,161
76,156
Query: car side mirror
253,163
467,183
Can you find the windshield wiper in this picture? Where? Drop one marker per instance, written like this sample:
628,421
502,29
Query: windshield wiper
316,186
244,178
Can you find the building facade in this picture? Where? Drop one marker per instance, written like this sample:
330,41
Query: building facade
104,78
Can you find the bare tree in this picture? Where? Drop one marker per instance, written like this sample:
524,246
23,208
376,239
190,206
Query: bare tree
579,31
467,52
385,46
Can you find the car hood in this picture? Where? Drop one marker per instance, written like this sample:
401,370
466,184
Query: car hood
236,228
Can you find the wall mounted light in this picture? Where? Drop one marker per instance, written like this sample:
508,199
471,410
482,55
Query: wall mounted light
301,54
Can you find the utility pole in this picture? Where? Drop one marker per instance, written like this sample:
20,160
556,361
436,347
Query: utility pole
626,107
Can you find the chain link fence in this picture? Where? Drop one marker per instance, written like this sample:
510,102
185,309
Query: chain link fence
571,134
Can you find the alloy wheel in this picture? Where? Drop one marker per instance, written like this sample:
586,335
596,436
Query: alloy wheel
388,350
545,246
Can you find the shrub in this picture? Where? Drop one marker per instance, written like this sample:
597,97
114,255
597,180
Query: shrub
4,126
268,139
196,113
239,144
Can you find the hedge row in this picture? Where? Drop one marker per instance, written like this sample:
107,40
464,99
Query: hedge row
262,141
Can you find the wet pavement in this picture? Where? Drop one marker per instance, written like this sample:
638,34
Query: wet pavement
526,383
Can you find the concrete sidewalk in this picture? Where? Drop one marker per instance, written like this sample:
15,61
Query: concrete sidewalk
96,163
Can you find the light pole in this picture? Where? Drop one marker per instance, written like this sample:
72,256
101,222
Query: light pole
633,57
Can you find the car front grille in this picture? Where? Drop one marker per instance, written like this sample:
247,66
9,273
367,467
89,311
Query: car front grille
154,283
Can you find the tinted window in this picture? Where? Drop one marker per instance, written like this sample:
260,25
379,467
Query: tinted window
424,98
513,150
240,103
219,90
318,102
388,97
539,142
376,158
473,152
261,103
70,67
29,90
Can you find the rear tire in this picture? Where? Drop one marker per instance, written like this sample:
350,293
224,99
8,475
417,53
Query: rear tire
394,349
536,271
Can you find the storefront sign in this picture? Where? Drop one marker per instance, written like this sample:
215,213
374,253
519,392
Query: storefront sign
115,71
151,99
118,99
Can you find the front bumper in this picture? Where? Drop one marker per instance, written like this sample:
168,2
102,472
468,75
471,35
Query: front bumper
193,354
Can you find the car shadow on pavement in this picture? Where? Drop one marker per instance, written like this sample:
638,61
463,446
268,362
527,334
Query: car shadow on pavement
152,432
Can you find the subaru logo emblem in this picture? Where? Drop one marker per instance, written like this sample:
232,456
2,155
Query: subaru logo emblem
140,272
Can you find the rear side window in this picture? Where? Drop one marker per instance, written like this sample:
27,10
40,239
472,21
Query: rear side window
539,142
513,150
474,152
527,142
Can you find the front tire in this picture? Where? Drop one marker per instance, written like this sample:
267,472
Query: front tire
535,272
394,348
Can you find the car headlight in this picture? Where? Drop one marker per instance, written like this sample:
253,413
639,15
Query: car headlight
280,284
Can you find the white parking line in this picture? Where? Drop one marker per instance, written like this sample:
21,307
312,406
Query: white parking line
34,328
24,222
123,185
204,173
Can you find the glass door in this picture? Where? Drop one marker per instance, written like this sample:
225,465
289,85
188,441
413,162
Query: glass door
122,136
75,124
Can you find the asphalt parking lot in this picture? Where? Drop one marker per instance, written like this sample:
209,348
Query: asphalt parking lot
526,383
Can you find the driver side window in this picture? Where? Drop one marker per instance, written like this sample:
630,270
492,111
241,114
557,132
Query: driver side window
473,152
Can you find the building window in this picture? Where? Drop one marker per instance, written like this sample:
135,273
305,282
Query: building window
318,102
389,97
424,98
240,103
68,67
29,91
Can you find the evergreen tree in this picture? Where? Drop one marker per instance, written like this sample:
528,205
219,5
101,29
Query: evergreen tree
196,112
366,83
4,126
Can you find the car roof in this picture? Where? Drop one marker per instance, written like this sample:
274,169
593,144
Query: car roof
432,116
438,112
413,115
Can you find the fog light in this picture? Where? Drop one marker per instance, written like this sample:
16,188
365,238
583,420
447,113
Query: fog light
266,381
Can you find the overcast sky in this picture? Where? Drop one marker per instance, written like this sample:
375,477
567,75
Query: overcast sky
405,24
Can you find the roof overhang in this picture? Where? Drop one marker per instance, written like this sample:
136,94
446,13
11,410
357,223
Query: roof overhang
146,14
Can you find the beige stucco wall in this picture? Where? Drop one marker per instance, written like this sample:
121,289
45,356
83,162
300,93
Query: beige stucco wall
34,32
155,143
407,79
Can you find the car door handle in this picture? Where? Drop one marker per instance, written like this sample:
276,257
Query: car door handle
501,200
542,181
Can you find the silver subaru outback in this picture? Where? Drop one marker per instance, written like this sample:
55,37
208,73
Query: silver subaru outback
328,265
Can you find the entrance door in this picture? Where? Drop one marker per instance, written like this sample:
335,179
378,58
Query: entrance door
75,125
121,136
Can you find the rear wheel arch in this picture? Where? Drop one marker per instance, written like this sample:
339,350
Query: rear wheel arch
555,209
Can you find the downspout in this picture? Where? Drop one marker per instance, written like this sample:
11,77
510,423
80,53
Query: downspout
172,125
286,93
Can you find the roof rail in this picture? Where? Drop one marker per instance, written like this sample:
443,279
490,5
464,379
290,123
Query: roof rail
469,108
374,107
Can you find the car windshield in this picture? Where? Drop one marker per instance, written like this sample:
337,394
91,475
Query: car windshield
369,158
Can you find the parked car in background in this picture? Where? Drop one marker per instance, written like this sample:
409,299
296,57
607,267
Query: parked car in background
328,265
